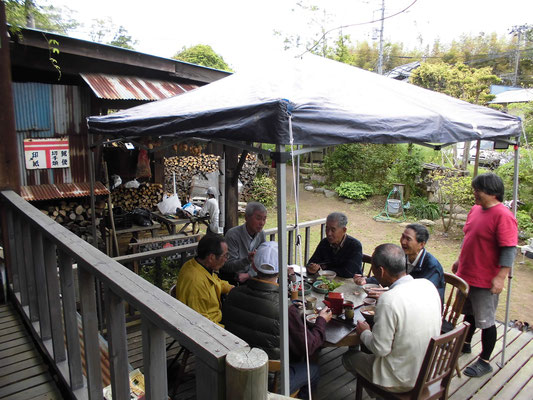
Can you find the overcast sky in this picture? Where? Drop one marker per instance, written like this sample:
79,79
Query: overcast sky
240,29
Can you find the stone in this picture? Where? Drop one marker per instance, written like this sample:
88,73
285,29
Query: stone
319,190
309,188
461,217
349,201
426,222
329,193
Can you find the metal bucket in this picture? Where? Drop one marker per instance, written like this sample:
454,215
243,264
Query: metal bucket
393,206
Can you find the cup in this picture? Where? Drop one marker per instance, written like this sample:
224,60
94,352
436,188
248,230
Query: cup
294,295
310,302
369,301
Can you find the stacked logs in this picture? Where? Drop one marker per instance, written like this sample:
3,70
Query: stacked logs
247,176
184,169
76,217
147,195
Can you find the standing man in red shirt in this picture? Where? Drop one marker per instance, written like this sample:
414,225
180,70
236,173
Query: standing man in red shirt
487,254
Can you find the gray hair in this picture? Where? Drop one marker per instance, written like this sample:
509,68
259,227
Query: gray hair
340,218
390,257
253,207
421,232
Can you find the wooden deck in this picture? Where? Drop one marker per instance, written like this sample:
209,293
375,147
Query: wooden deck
23,373
514,381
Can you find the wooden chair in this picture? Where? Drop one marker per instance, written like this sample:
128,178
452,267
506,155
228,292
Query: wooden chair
275,367
183,353
366,260
435,373
452,308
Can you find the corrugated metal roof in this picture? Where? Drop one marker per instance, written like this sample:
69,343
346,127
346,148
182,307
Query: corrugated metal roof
60,191
115,87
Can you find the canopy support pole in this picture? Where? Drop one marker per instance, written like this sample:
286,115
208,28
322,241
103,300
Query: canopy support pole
510,276
281,172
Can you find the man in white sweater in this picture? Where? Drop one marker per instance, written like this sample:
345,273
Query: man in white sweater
407,317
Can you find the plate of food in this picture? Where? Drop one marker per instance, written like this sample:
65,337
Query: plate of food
368,313
321,287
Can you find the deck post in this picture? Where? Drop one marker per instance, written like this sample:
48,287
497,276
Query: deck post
90,333
30,275
21,268
54,308
154,360
71,321
118,345
42,293
247,374
11,261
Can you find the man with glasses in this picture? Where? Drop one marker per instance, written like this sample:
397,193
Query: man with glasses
198,285
487,254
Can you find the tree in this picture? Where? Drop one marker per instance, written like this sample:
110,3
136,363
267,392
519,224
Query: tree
103,30
202,54
48,18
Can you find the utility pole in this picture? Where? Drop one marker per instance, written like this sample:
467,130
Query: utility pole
518,31
380,59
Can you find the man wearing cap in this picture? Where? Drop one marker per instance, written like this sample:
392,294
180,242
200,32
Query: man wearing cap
252,313
243,240
211,208
198,285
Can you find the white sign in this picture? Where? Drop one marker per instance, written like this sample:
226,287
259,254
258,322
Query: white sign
46,153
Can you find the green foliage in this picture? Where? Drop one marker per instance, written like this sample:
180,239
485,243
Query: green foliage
168,273
524,111
369,163
354,190
452,190
122,39
47,18
525,177
421,208
264,190
525,222
202,54
460,81
408,167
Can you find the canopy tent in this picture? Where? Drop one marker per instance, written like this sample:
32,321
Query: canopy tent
308,101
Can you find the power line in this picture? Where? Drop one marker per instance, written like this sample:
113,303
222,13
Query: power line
356,24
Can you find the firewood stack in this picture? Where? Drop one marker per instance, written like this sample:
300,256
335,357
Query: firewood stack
145,196
76,217
185,168
247,176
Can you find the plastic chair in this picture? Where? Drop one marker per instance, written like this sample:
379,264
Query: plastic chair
435,373
183,353
275,366
451,310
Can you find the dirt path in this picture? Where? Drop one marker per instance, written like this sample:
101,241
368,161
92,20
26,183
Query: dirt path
444,247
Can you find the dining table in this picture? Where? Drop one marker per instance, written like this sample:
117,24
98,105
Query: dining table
340,332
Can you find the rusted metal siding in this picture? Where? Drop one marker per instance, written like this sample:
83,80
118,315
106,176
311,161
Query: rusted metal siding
115,87
45,111
61,191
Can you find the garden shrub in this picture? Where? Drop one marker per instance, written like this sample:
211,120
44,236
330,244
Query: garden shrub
264,190
525,177
357,162
421,208
525,222
354,190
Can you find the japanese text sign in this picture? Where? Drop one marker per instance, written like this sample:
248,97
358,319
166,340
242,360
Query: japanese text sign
46,153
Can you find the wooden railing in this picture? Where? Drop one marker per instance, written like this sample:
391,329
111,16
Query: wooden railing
40,255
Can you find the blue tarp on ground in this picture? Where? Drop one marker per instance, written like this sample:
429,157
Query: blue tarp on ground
330,103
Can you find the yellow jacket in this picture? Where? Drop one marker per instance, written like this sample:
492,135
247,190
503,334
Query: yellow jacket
200,290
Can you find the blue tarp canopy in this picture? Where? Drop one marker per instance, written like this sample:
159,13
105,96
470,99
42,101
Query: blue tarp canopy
330,103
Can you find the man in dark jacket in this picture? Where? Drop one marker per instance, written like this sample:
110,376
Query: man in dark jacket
420,263
338,251
252,313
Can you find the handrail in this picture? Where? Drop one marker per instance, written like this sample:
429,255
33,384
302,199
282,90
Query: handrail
40,258
160,312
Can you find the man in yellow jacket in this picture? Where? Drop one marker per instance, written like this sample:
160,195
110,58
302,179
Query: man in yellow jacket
198,285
